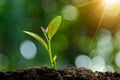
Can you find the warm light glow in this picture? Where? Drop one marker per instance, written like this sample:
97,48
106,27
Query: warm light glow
111,2
112,8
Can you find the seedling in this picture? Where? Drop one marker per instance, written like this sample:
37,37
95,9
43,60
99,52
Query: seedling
48,34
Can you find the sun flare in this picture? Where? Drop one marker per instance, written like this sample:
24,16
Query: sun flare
111,2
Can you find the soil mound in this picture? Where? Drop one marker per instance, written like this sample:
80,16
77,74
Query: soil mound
44,73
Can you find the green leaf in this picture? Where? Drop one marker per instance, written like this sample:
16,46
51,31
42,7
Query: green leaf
53,26
37,37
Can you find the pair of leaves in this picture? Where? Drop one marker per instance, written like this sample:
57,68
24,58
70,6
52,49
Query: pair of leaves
52,29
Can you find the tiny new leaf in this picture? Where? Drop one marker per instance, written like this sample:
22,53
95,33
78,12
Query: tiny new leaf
53,26
37,37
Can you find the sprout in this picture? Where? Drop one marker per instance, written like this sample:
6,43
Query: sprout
48,33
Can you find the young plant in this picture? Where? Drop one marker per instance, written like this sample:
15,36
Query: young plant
48,33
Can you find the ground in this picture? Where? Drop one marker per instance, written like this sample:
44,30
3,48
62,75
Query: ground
44,73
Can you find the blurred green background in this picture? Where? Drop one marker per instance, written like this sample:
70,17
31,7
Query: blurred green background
88,36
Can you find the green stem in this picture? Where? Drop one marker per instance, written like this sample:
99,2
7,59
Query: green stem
50,54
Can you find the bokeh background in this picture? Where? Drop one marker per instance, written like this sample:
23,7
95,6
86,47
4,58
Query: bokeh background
89,35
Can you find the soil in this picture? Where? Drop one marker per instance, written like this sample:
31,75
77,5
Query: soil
44,73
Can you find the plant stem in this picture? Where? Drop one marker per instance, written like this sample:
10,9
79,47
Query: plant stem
50,54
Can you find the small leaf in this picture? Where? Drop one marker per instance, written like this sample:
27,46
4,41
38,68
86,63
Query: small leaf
55,58
54,61
44,30
45,33
37,37
53,26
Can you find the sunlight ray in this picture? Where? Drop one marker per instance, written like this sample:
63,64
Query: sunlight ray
87,3
97,28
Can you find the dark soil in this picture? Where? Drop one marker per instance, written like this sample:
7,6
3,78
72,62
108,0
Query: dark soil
44,73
